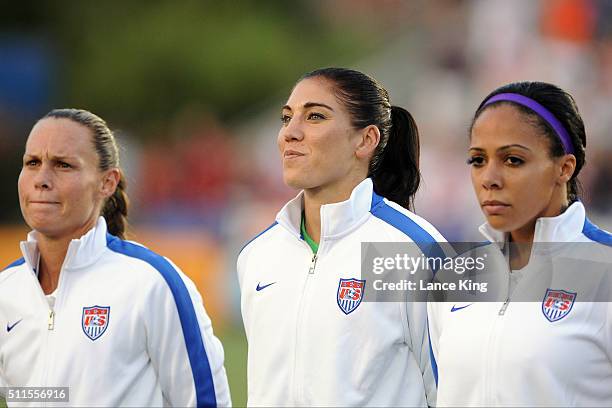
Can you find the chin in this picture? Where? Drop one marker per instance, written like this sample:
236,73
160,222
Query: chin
47,226
38,223
297,181
500,223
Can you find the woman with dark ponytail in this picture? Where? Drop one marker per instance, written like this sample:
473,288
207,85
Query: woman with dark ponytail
87,310
312,341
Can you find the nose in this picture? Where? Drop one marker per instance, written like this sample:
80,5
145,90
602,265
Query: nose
292,130
491,176
43,178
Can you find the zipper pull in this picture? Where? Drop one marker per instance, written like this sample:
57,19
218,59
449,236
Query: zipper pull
51,321
504,307
313,264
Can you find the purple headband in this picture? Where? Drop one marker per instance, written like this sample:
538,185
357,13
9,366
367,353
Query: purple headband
542,112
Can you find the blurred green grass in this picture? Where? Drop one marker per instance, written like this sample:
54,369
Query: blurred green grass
234,344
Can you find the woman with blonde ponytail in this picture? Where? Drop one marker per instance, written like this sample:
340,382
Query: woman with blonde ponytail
110,320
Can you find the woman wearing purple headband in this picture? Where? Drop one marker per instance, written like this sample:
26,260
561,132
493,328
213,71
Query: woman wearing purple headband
543,340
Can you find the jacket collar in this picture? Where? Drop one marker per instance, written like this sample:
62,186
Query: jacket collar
562,228
337,219
81,252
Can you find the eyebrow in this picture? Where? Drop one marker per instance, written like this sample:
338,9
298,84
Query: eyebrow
506,147
308,105
53,158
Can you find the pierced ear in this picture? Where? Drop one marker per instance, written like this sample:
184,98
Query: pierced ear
567,166
110,181
370,137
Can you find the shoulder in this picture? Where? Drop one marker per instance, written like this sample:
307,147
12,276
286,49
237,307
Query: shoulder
9,269
260,239
409,223
596,234
14,264
268,244
131,251
594,245
156,268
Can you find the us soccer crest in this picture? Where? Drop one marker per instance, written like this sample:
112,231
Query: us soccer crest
95,321
350,294
557,304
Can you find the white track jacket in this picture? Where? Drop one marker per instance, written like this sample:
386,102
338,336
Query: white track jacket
305,346
553,351
127,328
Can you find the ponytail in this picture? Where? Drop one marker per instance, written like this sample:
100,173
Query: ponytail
115,210
394,169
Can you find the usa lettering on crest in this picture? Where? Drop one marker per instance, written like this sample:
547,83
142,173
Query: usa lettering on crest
95,321
350,294
557,304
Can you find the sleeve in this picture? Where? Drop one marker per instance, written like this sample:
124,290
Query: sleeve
241,268
433,335
186,354
241,265
608,331
419,328
435,301
419,341
3,384
3,381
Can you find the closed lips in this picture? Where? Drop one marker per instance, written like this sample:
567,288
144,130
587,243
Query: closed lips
292,153
494,207
495,203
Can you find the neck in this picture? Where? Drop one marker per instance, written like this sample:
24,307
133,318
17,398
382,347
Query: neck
519,254
314,198
52,250
52,254
521,239
525,233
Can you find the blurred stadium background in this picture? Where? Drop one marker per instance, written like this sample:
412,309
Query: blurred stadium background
194,88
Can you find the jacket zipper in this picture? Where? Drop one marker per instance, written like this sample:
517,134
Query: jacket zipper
313,265
50,328
493,349
51,321
502,311
298,369
48,353
490,362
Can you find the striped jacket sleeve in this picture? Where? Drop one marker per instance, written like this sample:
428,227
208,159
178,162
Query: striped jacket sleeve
186,354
